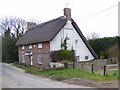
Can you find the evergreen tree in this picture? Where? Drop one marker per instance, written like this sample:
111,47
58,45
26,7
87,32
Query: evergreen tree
8,47
9,38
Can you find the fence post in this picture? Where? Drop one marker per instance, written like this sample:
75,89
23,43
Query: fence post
92,68
66,65
73,65
104,72
82,65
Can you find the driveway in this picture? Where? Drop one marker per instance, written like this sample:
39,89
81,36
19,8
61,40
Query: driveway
13,77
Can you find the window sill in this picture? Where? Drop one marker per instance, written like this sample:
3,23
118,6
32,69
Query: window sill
39,63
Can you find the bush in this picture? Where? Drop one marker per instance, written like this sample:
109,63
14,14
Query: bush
62,55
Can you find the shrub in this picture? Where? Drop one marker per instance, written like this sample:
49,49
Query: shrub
62,55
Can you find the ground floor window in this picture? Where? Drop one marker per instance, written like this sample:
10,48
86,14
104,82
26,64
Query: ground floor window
77,58
86,57
23,56
39,59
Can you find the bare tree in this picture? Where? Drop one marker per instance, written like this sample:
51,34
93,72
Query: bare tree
12,29
5,24
16,25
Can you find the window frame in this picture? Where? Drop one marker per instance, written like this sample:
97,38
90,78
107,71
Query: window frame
77,58
30,46
39,59
86,57
39,45
76,42
23,57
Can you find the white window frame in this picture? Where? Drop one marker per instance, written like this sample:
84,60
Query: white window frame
39,45
39,59
23,57
77,58
30,46
23,47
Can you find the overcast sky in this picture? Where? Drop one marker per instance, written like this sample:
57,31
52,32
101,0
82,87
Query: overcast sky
99,16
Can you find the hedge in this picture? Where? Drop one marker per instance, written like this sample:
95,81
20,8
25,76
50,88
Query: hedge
62,55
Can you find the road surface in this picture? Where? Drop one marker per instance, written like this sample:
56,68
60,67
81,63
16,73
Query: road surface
13,77
0,76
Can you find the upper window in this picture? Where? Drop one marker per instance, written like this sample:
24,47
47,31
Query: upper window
86,57
30,46
39,45
67,37
23,47
76,42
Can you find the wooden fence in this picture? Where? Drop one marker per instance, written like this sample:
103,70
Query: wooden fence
93,68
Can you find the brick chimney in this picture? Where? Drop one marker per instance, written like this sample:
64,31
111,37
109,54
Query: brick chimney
30,25
67,13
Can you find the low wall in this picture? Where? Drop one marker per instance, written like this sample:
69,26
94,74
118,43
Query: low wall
97,62
97,65
56,65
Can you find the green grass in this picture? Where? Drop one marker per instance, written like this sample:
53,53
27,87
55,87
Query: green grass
71,73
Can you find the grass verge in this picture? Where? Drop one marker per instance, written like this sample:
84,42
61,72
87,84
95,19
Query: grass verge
70,73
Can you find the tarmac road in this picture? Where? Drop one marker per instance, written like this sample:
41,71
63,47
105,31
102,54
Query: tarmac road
13,77
0,75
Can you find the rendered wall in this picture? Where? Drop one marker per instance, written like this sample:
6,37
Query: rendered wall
80,48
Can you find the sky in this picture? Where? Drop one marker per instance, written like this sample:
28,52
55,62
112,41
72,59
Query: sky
99,16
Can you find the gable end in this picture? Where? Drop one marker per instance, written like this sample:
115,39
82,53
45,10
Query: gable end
84,39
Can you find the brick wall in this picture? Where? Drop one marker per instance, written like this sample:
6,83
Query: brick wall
44,52
26,58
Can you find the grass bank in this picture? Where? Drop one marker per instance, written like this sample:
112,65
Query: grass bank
70,73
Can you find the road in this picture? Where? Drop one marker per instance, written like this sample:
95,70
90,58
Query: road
0,76
13,77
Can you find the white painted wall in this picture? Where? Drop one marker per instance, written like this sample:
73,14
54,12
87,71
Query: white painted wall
80,48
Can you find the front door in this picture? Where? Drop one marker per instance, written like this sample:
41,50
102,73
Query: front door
31,60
